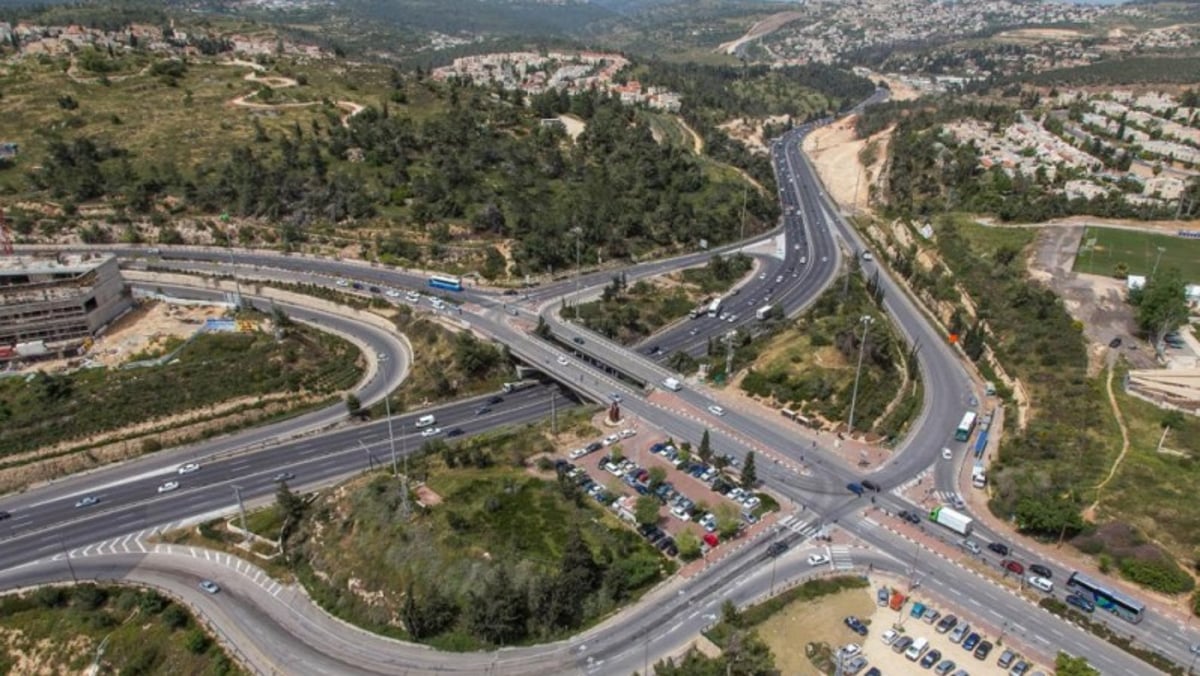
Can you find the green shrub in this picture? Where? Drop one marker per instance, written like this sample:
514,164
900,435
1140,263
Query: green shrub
1159,574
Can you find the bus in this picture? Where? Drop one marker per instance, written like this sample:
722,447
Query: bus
965,427
1114,602
446,282
714,308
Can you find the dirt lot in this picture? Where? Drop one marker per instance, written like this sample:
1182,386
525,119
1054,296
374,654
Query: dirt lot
1097,301
803,622
834,151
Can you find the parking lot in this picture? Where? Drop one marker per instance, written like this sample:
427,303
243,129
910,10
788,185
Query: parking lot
948,643
624,465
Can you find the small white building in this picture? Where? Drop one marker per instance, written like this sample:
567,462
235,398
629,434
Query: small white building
1135,282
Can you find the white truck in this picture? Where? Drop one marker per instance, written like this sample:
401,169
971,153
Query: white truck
426,421
714,308
978,475
954,520
762,312
672,384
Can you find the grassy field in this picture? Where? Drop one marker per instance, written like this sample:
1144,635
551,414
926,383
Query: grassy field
1138,251
818,620
56,630
358,556
53,408
1153,490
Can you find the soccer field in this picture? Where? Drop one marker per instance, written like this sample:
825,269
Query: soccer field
1102,248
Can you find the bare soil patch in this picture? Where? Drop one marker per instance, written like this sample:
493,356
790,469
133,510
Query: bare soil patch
834,151
818,621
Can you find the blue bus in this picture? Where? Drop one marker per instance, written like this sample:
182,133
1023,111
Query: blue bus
965,427
1126,608
446,282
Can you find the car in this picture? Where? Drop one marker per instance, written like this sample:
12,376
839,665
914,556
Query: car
1040,570
902,644
611,439
855,625
855,665
1084,604
911,517
562,361
944,667
614,396
188,468
970,641
483,409
1040,583
930,616
982,650
210,586
456,432
577,340
628,432
431,431
779,279
855,488
342,282
5,515
970,545
870,485
392,293
1115,342
850,649
931,658
762,276
1006,658
817,560
946,624
283,476
918,610
168,487
87,501
998,547
947,454
375,289
1013,566
889,637
716,410
1195,648
956,636
1019,668
776,548
381,356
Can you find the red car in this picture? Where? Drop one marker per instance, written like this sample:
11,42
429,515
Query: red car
711,539
1014,566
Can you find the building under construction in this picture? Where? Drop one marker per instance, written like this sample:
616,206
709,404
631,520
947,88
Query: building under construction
51,304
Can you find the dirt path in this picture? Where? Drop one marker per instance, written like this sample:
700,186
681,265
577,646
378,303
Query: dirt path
282,82
697,141
1090,512
759,29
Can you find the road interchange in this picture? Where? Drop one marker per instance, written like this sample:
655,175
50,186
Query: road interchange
822,491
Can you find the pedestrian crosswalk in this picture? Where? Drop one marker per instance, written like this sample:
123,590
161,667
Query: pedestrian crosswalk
803,528
840,556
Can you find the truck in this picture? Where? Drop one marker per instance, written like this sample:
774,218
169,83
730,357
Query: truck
672,384
518,385
762,312
954,520
714,308
978,475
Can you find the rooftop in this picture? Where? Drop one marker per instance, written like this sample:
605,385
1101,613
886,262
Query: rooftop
69,263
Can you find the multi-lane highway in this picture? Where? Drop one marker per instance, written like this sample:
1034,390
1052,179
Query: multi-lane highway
805,258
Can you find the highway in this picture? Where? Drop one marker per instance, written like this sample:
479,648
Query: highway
810,221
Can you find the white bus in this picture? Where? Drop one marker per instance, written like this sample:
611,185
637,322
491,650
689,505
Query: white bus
714,308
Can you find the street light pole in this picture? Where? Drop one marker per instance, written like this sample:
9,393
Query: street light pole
578,232
1158,258
866,321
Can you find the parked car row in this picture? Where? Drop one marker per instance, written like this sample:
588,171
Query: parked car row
597,445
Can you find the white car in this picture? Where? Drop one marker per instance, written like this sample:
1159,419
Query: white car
817,560
431,432
87,501
889,637
867,256
168,487
342,282
611,439
680,512
392,293
1041,583
628,432
850,650
210,586
762,276
947,454
716,410
188,468
563,361
578,453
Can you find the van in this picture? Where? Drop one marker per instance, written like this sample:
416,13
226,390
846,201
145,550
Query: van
916,650
425,421
672,384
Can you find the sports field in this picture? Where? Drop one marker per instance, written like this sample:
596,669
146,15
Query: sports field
1103,248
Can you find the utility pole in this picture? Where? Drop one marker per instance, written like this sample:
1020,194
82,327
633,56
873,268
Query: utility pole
553,411
370,460
404,484
1158,258
729,354
387,403
237,493
578,232
237,287
745,188
67,556
866,321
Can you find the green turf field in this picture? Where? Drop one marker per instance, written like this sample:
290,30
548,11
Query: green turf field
1103,248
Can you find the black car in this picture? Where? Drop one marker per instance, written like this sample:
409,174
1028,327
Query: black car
495,400
456,432
982,650
1040,570
594,446
577,340
1081,603
510,292
376,289
4,515
998,547
1115,342
910,517
776,548
870,485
